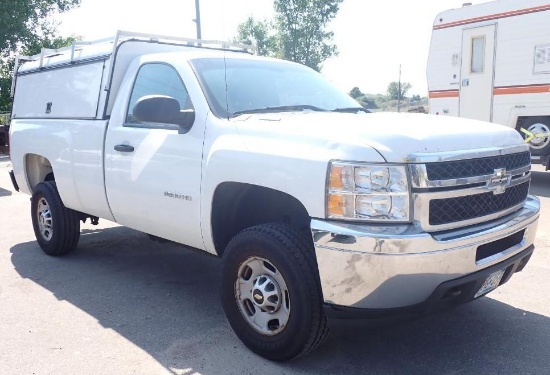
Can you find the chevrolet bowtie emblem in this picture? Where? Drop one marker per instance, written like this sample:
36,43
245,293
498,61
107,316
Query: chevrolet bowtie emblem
499,181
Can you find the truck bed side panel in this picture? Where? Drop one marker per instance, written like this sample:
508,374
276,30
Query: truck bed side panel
68,92
75,150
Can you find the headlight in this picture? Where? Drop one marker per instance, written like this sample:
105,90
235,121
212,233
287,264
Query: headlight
373,192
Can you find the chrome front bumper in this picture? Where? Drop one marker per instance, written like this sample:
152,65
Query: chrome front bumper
375,267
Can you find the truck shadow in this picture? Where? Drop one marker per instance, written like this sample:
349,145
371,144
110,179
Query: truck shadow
540,184
5,193
164,299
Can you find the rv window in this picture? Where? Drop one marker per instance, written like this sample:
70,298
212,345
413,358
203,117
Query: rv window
478,54
455,59
158,79
542,59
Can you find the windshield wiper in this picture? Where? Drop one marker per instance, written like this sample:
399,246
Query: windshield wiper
351,110
282,108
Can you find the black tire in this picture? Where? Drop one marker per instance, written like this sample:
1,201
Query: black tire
61,233
539,124
293,256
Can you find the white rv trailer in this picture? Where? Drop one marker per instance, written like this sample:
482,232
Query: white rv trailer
491,62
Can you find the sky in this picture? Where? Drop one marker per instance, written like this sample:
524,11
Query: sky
373,37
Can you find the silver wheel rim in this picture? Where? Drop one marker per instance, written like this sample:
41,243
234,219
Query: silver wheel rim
262,296
45,223
539,142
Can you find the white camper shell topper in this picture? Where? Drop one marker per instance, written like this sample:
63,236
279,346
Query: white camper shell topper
95,71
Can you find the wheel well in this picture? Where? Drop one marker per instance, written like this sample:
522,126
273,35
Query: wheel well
237,206
37,169
530,120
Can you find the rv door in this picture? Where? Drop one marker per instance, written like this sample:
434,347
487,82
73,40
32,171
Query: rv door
477,73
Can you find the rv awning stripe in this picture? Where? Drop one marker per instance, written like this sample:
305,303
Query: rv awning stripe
501,90
525,89
490,17
443,94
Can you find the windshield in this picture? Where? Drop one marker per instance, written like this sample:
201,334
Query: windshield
259,86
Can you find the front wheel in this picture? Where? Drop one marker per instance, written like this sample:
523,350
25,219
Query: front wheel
57,228
271,292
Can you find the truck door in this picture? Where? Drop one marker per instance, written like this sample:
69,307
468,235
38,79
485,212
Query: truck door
152,172
477,73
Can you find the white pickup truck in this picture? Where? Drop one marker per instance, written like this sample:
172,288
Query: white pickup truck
316,207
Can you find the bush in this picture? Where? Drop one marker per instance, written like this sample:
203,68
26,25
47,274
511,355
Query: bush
4,119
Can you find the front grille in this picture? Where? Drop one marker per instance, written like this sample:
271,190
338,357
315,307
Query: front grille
476,167
452,210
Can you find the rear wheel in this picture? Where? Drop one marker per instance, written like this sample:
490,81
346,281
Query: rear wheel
271,292
540,144
57,228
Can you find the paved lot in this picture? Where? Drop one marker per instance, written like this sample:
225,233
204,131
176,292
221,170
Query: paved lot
122,304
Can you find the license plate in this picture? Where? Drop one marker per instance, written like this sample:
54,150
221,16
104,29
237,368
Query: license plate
490,283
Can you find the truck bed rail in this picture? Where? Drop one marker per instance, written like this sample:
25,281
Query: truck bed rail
79,50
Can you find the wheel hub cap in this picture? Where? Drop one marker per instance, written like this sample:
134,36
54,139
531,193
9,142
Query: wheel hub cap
266,294
539,130
45,223
262,296
258,297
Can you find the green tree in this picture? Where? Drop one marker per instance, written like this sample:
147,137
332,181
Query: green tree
48,42
25,21
302,30
6,67
367,102
416,98
393,90
381,101
259,33
5,86
355,93
25,27
299,32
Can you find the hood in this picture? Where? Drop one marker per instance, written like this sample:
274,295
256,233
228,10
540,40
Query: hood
395,136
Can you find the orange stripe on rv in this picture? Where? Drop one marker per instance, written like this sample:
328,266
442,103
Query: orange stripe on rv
443,94
513,13
511,90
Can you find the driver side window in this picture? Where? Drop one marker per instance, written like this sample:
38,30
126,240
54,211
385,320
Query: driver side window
157,79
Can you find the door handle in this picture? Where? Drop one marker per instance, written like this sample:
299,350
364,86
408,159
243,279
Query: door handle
124,148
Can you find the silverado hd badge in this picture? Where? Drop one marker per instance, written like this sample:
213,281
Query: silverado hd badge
499,181
178,196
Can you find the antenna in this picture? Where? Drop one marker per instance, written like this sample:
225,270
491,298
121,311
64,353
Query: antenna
198,19
399,91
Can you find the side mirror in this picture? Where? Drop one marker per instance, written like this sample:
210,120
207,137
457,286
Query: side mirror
165,110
